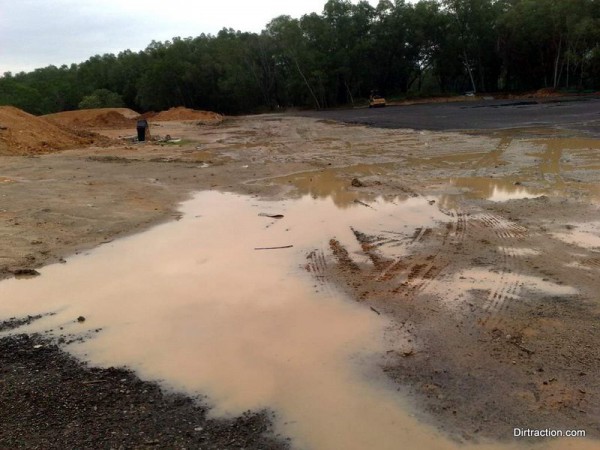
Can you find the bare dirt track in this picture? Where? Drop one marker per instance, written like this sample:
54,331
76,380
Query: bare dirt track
499,301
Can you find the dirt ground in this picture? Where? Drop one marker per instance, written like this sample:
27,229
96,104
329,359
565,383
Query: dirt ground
501,302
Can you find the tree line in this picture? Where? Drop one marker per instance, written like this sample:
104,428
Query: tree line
432,47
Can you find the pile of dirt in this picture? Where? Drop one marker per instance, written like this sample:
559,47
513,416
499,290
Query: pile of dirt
96,118
182,113
545,92
23,134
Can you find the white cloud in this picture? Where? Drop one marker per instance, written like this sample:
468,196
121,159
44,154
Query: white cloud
37,33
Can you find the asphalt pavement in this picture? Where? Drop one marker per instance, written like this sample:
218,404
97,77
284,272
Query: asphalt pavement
569,113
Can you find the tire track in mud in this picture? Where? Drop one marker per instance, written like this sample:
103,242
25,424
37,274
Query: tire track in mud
503,228
423,272
415,274
505,279
412,274
592,262
506,290
493,157
506,283
317,266
422,275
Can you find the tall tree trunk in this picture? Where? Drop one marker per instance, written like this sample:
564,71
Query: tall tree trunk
349,92
568,67
470,72
312,93
556,62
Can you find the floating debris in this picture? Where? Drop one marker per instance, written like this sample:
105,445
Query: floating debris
272,216
273,248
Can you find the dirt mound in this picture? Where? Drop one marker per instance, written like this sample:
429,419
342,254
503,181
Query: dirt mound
22,134
182,113
545,92
96,118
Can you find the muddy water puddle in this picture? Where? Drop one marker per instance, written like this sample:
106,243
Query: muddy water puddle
334,183
522,168
496,190
195,303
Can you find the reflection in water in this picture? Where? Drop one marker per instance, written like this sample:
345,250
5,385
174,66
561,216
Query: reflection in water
335,183
193,303
557,165
562,156
552,158
494,189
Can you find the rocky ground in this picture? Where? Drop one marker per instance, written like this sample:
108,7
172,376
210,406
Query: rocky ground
50,400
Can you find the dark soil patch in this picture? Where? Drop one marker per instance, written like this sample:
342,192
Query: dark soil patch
52,401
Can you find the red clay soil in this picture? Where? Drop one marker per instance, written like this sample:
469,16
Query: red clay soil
182,113
96,118
24,134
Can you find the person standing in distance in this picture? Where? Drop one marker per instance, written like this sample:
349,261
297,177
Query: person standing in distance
142,129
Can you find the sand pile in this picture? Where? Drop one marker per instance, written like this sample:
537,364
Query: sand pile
96,118
23,134
546,92
182,113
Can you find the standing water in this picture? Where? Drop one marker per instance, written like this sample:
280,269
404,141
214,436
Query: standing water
219,303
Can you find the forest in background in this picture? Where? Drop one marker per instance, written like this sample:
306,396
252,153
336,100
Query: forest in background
427,48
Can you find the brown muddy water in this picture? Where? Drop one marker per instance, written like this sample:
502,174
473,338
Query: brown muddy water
520,169
196,305
333,182
496,190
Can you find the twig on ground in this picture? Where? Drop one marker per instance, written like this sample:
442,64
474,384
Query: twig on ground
273,248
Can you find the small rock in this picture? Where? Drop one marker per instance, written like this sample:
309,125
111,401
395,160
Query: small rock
357,183
25,273
81,319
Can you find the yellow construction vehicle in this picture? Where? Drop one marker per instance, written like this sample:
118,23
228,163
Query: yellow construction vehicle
376,101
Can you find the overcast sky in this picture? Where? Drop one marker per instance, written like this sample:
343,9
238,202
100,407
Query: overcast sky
38,33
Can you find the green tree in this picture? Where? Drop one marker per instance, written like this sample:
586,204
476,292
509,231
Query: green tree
101,98
476,23
323,60
19,95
